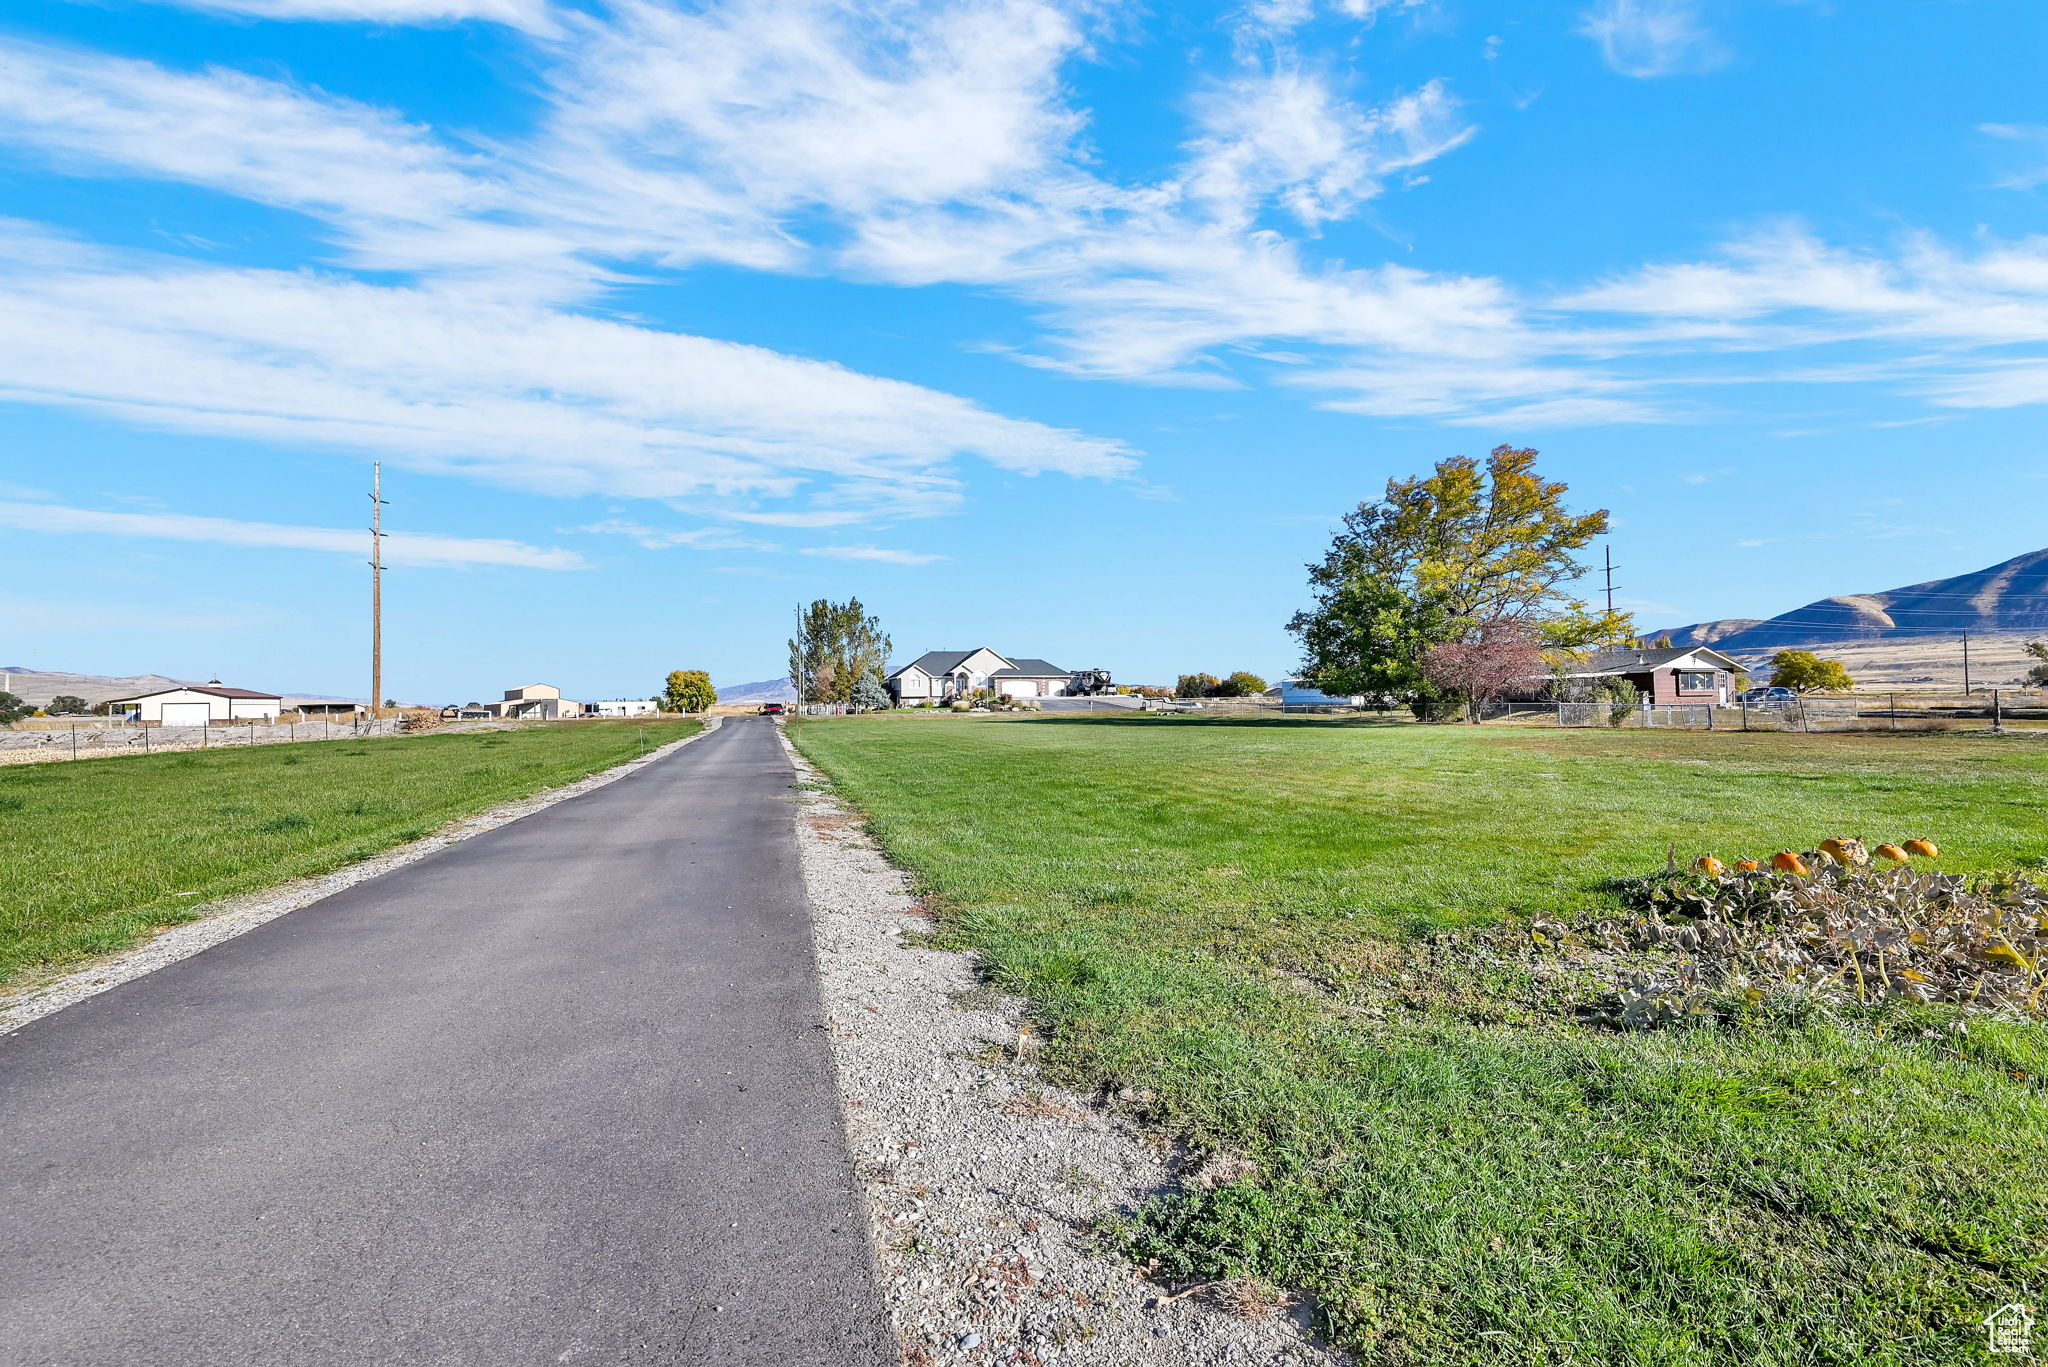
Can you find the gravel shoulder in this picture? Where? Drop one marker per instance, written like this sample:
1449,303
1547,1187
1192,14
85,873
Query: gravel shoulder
31,999
984,1184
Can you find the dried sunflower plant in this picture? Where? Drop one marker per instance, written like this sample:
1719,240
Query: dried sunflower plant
1824,926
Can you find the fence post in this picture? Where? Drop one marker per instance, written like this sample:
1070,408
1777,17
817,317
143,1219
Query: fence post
1997,713
74,740
1893,718
145,740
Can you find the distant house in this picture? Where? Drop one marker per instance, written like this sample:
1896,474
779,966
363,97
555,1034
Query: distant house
534,702
197,705
940,676
1673,674
1294,693
620,707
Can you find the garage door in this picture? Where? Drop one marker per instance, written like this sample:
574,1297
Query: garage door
187,713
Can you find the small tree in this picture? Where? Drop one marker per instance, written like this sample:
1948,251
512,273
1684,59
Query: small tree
1242,684
1802,671
13,709
869,694
689,690
66,702
1196,686
2038,675
1490,660
1622,697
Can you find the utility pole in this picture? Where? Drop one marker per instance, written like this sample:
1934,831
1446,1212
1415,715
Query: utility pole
1610,579
376,590
1966,662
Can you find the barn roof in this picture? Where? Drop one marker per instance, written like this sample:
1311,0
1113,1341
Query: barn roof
208,688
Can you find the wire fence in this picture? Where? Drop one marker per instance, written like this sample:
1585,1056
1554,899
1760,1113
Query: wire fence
1994,710
31,744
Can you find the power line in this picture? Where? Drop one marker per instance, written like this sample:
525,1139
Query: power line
377,506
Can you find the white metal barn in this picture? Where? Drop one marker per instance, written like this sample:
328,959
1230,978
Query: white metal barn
198,706
621,707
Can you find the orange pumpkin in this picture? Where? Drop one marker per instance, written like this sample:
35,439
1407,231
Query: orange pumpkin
1747,865
1709,865
1836,849
1891,852
1784,861
1924,849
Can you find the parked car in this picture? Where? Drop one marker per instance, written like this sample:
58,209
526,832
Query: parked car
771,709
1767,697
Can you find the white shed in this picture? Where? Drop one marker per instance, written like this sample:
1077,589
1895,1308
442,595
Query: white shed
198,706
621,707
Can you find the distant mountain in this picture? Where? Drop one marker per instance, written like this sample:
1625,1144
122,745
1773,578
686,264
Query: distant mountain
768,690
1705,633
2007,599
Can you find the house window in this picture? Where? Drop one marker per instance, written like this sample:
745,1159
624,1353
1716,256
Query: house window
1695,683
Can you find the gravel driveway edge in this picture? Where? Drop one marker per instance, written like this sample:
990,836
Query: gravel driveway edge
982,1182
231,916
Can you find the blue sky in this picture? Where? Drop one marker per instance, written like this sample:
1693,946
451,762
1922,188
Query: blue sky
1066,328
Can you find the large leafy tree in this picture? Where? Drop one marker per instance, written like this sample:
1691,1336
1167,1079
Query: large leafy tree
66,703
1242,684
13,709
689,690
1437,559
835,644
1195,686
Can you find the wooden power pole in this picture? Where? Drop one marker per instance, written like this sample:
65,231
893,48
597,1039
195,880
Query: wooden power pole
376,589
1966,662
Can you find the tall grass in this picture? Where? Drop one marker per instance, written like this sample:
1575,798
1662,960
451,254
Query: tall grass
1252,930
97,853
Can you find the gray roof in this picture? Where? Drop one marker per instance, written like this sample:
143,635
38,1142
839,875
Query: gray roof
1627,660
940,661
936,662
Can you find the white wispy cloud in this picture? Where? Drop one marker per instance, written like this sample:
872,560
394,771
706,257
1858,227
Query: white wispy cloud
400,547
463,381
669,538
1646,38
532,15
907,144
876,554
2030,141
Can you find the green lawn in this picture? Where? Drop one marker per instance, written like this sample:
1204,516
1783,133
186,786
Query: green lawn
1247,927
100,852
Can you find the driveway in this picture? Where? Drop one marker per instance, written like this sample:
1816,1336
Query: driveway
558,1094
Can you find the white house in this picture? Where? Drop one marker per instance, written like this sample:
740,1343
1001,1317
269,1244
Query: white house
1294,693
940,676
620,707
534,702
197,705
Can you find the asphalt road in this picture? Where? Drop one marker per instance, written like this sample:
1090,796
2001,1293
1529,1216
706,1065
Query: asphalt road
557,1094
